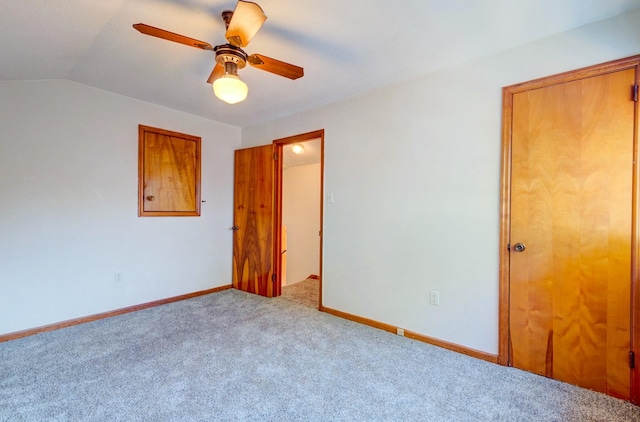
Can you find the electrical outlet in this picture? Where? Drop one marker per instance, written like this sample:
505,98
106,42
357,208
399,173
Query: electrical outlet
117,277
400,331
435,298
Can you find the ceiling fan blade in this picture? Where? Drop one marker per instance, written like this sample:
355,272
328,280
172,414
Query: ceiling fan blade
161,33
217,71
247,19
276,66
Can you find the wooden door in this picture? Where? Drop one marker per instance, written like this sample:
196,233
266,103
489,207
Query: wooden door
572,185
168,173
254,221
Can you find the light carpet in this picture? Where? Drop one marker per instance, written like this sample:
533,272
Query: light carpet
304,293
233,356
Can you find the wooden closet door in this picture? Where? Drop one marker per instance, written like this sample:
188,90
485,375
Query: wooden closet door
572,209
254,207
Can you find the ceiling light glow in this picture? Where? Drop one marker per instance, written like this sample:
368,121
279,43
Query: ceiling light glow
230,89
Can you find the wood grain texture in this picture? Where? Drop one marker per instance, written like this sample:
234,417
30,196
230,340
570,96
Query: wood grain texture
609,132
253,242
635,260
218,71
413,335
246,21
504,348
280,243
571,204
171,36
320,265
169,173
95,317
274,66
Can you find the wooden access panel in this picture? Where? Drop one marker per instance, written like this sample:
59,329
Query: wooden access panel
571,231
254,222
168,173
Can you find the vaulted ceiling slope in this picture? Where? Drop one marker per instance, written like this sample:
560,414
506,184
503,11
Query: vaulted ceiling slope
345,47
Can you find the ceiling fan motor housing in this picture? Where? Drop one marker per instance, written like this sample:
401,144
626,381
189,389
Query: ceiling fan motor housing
231,57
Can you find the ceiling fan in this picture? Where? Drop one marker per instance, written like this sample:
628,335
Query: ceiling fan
242,24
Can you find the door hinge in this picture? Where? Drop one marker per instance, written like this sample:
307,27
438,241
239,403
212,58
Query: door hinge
635,93
508,246
273,277
632,360
275,156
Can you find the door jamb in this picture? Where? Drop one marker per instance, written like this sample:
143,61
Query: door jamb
278,151
504,345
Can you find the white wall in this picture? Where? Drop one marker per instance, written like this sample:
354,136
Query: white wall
301,216
414,169
68,206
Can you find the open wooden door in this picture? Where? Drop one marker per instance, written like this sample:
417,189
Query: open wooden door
571,233
254,222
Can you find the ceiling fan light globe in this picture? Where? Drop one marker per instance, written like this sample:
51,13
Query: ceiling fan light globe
230,89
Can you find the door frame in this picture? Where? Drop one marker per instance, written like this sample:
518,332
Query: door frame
279,147
505,208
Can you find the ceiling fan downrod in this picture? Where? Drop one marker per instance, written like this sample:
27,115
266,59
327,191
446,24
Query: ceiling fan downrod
226,17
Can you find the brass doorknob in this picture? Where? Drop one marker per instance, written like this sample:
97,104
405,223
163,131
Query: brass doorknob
150,198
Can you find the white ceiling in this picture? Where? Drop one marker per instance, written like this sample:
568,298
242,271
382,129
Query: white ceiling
310,155
345,47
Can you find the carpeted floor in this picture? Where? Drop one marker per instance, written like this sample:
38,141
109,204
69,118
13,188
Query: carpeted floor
305,293
232,356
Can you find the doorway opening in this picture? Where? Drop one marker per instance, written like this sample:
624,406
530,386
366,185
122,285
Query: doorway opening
299,216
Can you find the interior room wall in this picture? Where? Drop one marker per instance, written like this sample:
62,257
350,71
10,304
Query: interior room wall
68,206
415,174
301,216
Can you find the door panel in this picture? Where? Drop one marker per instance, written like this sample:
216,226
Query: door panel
571,205
253,241
168,173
